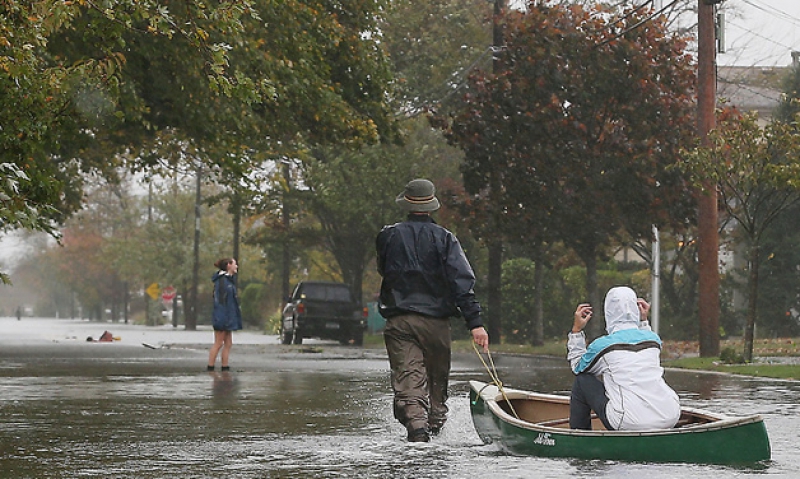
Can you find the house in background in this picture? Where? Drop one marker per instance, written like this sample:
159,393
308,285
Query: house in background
751,89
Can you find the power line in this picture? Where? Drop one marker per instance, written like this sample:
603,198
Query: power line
772,56
774,12
759,35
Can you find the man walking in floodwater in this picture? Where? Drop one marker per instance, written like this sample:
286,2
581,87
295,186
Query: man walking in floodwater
426,280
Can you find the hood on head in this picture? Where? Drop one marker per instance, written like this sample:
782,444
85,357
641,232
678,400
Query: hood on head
621,310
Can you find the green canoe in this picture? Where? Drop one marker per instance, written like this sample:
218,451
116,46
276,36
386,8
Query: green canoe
538,425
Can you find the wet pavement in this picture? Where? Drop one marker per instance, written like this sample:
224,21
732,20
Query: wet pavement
71,408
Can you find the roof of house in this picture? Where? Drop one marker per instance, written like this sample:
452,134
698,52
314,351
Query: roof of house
751,88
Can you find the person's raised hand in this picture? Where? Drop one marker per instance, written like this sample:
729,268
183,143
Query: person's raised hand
644,308
582,316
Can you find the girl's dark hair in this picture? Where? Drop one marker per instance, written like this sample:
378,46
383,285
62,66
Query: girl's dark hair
223,263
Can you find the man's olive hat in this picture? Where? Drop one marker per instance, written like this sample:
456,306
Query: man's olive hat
419,195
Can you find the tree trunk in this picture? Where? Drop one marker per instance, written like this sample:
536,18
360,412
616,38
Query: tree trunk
352,268
146,308
538,306
175,311
752,300
495,245
236,207
126,301
596,326
495,301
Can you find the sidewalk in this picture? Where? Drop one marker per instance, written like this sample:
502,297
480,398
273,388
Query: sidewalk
52,330
54,347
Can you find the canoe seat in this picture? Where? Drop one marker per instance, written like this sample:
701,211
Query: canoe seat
691,419
597,425
555,422
685,420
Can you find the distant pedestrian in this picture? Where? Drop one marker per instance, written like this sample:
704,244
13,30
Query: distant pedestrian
19,313
227,316
426,281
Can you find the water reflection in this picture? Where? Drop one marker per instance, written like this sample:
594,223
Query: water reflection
224,387
698,385
299,420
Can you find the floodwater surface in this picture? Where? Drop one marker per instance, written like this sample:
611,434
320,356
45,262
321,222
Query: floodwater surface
284,413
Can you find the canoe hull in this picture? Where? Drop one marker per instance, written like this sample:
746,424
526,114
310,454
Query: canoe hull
722,440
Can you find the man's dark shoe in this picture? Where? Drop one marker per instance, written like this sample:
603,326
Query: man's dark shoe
435,425
419,435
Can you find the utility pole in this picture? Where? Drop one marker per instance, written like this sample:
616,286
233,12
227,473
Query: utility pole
191,307
149,222
655,300
286,212
708,233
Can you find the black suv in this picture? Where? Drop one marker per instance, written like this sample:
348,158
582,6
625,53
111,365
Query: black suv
325,310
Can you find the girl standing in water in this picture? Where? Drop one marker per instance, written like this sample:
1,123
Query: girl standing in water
227,316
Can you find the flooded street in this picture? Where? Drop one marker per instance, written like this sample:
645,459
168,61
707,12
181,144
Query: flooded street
71,409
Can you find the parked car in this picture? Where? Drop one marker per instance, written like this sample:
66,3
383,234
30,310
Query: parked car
324,310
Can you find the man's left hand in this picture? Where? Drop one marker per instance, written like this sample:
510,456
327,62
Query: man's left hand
481,338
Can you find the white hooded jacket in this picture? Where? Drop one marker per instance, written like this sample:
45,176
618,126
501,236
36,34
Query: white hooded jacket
627,360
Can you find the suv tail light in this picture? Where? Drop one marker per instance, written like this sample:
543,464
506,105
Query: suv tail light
301,308
364,312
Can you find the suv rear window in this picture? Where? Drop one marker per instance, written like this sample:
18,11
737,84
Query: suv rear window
326,292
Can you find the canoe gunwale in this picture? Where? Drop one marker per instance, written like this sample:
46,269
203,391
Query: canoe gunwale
491,395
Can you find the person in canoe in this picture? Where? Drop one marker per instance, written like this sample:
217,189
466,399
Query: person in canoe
619,376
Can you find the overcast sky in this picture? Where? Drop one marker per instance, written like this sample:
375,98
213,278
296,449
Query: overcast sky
760,32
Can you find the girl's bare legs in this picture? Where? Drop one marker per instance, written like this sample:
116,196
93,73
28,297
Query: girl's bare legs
226,348
219,340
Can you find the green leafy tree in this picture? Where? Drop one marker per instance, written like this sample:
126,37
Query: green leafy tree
580,128
82,80
55,103
779,294
433,46
351,194
16,210
790,101
756,172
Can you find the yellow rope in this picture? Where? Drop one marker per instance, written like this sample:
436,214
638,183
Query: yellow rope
495,378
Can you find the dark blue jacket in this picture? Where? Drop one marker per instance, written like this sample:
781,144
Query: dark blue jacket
227,315
425,272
